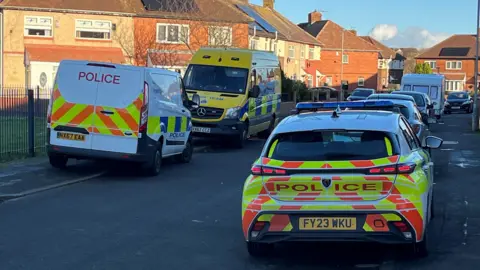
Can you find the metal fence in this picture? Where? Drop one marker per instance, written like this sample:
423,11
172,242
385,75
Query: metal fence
23,118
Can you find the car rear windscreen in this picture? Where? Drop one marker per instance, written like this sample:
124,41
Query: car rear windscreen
403,110
417,97
362,93
331,146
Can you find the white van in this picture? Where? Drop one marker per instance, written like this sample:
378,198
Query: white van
109,111
431,84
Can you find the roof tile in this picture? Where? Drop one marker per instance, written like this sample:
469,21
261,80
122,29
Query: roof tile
455,41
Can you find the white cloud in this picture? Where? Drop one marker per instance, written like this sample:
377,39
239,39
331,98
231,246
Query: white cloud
411,37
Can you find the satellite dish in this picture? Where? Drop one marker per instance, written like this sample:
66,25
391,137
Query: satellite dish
43,79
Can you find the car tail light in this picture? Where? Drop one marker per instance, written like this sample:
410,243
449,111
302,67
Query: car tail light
259,225
404,168
260,170
144,111
416,128
401,226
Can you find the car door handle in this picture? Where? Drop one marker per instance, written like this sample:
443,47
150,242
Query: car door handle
107,112
183,110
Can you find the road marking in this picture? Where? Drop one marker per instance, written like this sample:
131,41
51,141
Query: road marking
447,149
10,182
450,142
50,187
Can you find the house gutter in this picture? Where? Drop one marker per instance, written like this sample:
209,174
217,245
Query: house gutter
93,12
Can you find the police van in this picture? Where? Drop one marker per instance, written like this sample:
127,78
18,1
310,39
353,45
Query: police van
110,111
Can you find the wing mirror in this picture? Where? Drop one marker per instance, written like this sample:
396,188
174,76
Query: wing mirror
433,142
424,118
254,92
195,101
430,106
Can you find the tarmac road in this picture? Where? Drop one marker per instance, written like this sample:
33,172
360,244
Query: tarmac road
189,218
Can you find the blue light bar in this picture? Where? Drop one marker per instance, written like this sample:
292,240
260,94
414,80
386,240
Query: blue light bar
343,105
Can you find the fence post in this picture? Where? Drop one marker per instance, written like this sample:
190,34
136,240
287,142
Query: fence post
31,123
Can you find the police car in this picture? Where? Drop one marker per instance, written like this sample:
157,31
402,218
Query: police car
333,175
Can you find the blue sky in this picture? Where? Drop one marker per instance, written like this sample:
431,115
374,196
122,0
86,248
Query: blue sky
408,19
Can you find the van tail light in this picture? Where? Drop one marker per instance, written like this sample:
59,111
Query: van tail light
416,128
144,111
260,170
404,168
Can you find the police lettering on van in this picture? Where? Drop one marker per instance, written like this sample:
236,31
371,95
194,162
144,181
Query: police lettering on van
104,78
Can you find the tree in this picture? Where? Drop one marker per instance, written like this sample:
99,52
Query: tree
427,69
183,28
419,68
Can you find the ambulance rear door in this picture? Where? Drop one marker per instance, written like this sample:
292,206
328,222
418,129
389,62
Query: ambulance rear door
118,105
72,105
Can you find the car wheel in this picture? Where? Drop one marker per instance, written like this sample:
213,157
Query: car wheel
241,138
264,134
259,249
432,207
153,167
420,249
58,161
186,155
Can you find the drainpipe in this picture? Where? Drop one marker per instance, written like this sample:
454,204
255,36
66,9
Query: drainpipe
475,113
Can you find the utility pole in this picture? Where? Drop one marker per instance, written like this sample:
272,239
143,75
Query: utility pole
341,67
475,119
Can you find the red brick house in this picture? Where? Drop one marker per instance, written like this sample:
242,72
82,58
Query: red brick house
358,65
455,58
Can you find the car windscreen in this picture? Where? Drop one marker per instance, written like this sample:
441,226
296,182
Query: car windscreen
362,93
331,145
457,96
216,79
417,97
421,89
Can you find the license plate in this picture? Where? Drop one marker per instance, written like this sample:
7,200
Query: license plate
201,129
327,223
70,136
456,108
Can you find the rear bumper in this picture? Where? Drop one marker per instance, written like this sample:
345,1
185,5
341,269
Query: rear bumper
94,154
225,127
371,227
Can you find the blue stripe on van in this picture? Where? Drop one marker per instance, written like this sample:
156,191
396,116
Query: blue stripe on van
178,124
164,121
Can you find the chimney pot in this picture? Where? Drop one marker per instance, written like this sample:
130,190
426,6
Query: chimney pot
314,17
268,4
353,32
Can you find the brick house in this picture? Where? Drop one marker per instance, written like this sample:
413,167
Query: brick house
37,35
390,65
358,65
455,58
168,33
295,48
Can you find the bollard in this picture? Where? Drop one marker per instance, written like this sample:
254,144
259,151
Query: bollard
31,122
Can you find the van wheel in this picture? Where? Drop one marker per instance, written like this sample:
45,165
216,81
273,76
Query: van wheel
259,249
153,167
58,161
264,134
241,138
187,153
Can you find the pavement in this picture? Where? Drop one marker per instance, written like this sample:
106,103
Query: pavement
189,217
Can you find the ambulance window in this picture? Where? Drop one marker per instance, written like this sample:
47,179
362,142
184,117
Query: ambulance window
165,87
332,145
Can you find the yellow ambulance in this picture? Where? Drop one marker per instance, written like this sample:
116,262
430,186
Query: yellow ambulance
240,93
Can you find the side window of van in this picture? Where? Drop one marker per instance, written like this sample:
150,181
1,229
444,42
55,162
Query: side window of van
262,80
407,87
434,92
164,87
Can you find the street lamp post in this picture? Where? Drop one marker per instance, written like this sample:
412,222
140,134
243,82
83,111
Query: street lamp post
341,67
475,119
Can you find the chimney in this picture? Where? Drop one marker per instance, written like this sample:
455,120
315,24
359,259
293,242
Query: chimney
314,17
268,4
353,32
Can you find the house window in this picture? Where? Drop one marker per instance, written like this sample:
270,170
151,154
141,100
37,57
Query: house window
384,81
311,53
381,64
345,59
454,64
38,26
291,51
361,81
220,36
328,81
253,43
90,29
173,33
274,47
267,45
302,52
310,81
454,85
433,64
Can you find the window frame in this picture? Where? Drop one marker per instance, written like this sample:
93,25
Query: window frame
180,26
302,52
311,53
449,65
221,28
25,24
362,79
434,66
455,83
93,22
291,51
345,60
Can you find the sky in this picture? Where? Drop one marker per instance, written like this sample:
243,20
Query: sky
406,23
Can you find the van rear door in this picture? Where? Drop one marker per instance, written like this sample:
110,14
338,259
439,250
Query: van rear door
118,104
72,106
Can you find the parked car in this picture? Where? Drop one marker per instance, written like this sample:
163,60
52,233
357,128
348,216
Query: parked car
458,101
424,116
361,94
422,100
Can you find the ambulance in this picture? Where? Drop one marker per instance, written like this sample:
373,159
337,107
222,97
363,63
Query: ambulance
240,93
120,112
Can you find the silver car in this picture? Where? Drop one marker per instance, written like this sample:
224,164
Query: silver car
408,97
422,100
